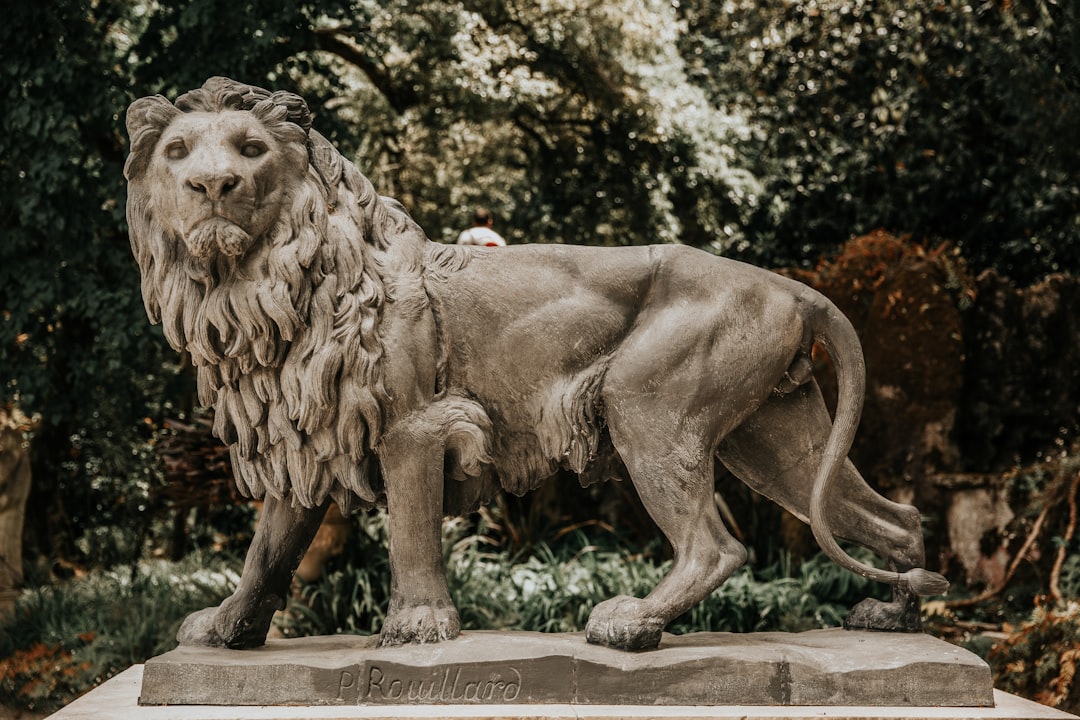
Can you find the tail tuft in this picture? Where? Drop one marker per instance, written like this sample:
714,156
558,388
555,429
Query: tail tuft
924,582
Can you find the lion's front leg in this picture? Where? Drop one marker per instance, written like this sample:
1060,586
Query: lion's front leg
421,610
243,619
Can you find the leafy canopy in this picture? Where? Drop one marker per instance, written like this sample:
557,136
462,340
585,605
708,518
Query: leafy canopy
771,130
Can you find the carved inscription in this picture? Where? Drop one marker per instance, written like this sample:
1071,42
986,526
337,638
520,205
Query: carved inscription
386,684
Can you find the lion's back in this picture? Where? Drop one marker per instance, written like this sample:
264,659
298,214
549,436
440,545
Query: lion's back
588,295
540,309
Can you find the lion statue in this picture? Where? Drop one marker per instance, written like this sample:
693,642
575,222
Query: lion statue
349,358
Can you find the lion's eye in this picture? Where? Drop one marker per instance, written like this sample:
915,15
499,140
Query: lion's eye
252,149
176,150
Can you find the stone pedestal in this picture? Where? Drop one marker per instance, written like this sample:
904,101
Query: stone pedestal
118,699
819,668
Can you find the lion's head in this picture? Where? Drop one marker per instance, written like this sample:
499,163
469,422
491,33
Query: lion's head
217,167
254,238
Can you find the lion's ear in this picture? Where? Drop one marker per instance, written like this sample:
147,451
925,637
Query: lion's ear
154,110
146,118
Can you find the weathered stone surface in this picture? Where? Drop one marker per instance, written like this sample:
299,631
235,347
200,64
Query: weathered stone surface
822,667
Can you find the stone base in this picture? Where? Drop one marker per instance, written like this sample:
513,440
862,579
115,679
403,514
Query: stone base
117,698
820,668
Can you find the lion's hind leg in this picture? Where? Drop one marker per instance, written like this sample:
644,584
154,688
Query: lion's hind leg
675,484
777,452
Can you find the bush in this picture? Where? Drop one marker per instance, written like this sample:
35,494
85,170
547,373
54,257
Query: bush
352,595
1039,659
64,640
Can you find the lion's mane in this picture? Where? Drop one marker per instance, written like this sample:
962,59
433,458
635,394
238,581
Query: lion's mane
285,337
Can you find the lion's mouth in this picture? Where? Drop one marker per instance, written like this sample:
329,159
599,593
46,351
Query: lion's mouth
217,236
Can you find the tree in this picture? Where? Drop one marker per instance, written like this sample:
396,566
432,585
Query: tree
574,121
771,130
947,121
69,330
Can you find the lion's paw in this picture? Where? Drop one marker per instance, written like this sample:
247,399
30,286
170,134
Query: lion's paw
200,628
623,623
420,624
896,616
232,624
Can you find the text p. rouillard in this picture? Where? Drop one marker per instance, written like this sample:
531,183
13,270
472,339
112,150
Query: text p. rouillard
448,686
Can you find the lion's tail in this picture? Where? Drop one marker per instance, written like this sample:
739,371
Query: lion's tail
834,331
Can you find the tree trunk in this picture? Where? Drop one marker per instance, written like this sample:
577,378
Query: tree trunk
14,489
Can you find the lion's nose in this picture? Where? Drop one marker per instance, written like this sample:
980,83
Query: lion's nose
215,186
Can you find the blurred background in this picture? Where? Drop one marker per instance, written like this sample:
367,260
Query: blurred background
917,162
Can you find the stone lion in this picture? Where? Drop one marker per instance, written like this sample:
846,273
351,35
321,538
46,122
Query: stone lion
347,357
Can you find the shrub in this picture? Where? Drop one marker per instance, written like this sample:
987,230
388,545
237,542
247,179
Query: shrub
352,595
1039,659
63,640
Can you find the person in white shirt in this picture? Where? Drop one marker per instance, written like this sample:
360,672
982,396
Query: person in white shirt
481,233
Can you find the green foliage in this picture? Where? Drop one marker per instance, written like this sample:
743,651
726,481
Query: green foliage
67,303
771,130
353,594
554,588
950,120
575,122
73,336
176,46
63,640
1070,572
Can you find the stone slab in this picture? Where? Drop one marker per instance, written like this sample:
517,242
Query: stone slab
817,668
118,697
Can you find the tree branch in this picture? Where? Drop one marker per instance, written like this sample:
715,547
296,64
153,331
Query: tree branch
332,41
1059,561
